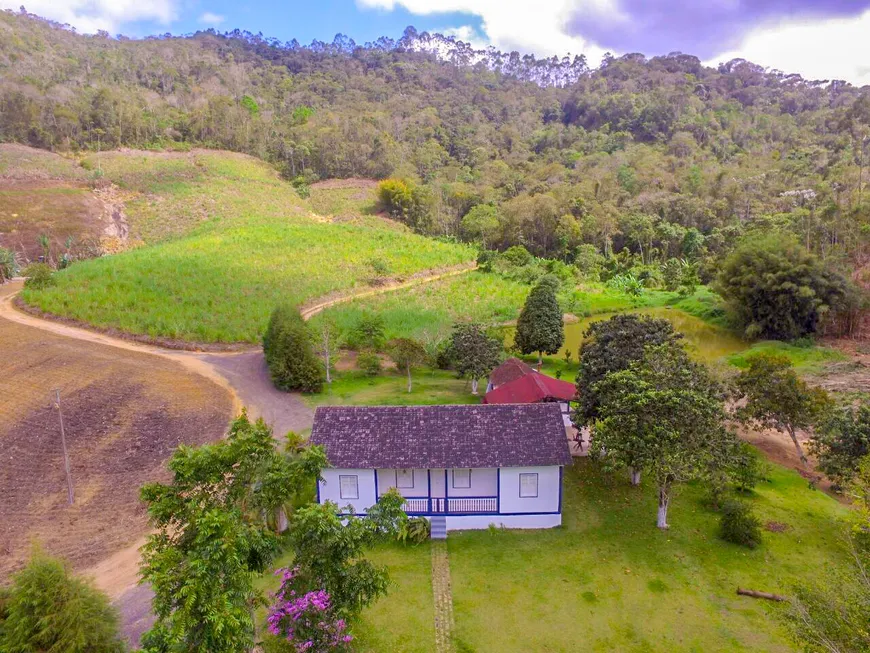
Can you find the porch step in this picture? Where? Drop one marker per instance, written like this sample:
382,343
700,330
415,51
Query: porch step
439,527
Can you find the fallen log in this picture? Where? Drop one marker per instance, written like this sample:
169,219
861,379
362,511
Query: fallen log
761,595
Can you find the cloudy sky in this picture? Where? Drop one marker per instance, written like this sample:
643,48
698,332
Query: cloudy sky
820,40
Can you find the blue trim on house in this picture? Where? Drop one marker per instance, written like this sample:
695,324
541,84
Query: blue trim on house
429,488
462,514
446,485
498,489
561,470
319,481
377,494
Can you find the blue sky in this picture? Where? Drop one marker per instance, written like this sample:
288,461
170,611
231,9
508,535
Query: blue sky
820,40
305,22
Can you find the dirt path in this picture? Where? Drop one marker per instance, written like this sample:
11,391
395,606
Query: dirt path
243,375
310,311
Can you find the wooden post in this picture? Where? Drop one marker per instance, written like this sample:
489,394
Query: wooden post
69,483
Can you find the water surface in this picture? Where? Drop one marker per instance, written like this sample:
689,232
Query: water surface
705,342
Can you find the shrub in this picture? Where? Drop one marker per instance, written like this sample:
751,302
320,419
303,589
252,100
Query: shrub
287,346
517,256
306,620
380,271
750,468
8,264
414,531
367,333
369,362
39,275
407,202
48,609
627,283
739,525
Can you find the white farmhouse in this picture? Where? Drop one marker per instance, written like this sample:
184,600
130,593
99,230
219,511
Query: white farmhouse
462,467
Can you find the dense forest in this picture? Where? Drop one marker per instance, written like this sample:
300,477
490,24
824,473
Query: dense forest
650,159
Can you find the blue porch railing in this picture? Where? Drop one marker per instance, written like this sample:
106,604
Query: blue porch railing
448,505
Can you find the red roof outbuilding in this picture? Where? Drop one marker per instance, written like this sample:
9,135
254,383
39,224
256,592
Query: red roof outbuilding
511,370
530,389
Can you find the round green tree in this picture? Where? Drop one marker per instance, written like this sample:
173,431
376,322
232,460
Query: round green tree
776,289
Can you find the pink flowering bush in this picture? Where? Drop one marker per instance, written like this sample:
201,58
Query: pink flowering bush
306,620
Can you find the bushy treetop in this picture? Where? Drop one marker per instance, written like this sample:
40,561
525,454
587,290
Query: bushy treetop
778,290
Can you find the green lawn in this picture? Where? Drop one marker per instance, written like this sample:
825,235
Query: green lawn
232,241
809,359
608,580
391,388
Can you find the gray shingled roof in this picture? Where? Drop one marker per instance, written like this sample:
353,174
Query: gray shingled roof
421,437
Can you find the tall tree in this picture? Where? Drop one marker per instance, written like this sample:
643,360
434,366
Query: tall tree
287,346
840,441
213,537
611,346
663,414
327,341
540,327
407,353
777,398
474,352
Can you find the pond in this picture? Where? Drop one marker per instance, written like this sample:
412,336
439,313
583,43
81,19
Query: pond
704,341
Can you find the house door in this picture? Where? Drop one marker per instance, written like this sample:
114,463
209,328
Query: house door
438,490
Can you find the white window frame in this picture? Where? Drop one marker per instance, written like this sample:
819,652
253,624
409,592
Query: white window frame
341,490
402,485
453,479
528,475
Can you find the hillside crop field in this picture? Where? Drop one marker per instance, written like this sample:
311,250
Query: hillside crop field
427,312
231,241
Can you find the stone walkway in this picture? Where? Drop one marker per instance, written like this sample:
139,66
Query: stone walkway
443,598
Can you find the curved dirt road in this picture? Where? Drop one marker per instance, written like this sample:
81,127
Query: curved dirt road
243,374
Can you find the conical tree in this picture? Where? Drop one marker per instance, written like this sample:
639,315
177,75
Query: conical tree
289,352
540,328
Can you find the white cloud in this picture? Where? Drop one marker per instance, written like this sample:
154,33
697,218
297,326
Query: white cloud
88,16
537,27
836,48
209,18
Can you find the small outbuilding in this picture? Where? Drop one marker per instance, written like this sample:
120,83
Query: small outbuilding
514,382
462,467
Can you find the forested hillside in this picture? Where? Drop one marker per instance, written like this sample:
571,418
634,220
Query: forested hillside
658,158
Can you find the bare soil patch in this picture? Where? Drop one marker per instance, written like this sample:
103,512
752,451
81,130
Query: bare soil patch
65,212
124,413
353,182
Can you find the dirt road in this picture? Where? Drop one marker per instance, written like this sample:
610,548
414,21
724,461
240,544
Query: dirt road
242,376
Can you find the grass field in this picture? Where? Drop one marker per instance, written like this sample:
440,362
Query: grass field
427,312
232,241
609,580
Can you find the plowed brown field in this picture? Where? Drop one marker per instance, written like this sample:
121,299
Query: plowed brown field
124,413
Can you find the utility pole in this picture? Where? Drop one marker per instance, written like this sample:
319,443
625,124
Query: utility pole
69,483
